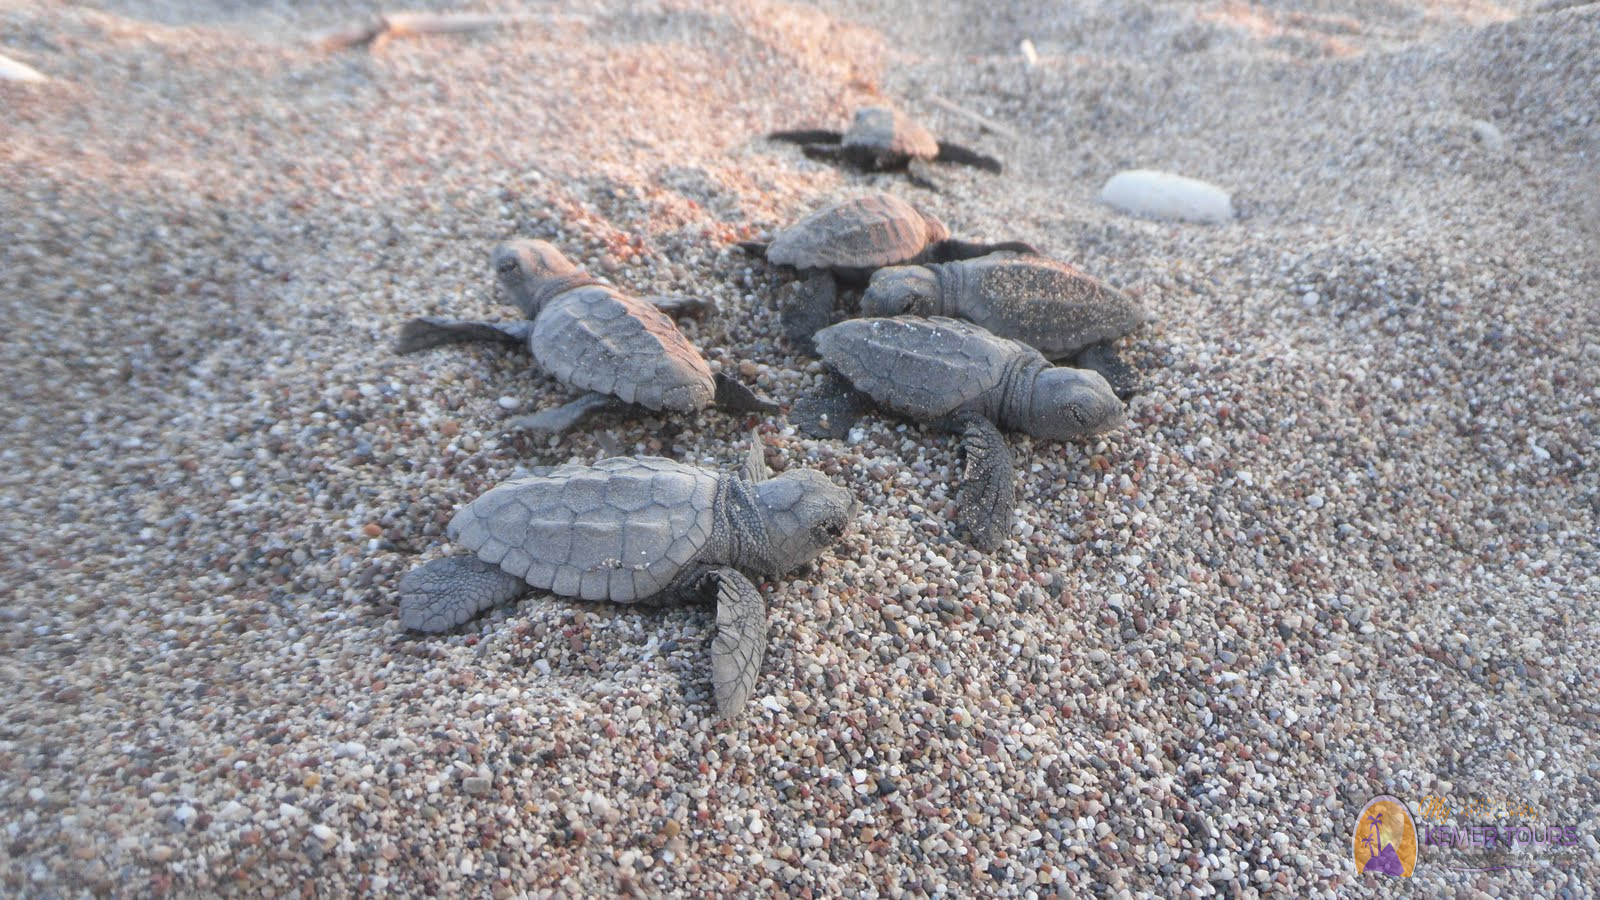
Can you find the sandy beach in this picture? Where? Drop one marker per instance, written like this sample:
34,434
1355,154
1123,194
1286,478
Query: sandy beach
1347,545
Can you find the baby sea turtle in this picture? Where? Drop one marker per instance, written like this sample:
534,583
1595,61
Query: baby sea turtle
1063,313
638,530
847,242
882,139
958,377
590,336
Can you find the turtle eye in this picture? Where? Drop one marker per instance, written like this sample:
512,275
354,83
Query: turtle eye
505,265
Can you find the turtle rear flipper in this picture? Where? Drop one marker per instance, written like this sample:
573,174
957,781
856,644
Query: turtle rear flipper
741,641
561,419
987,496
439,595
917,173
432,331
955,153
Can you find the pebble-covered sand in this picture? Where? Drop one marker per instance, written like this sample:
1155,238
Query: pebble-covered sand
1347,544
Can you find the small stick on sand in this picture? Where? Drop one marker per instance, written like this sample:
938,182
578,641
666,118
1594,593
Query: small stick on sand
983,121
388,26
1030,61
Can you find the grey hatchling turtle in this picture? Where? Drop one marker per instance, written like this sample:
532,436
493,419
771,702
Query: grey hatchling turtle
960,378
590,336
1056,309
847,242
882,139
638,530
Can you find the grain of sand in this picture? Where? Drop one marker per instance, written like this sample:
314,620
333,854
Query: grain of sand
1346,546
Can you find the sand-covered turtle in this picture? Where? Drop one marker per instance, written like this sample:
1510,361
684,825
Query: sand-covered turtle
591,336
957,377
1063,313
638,530
883,139
848,241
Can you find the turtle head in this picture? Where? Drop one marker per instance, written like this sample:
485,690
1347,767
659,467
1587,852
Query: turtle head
526,269
804,513
902,290
1069,403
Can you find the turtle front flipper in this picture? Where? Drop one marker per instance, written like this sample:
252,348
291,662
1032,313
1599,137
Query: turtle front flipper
809,310
432,331
831,410
1103,358
952,249
741,641
955,153
561,419
734,396
439,595
833,153
987,496
807,136
679,306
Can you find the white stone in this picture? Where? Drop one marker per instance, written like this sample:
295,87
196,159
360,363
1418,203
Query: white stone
1487,134
11,70
1029,54
1163,195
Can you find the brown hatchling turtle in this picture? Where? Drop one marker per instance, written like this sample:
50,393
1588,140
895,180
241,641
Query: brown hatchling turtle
882,139
590,336
638,530
958,377
847,242
1058,310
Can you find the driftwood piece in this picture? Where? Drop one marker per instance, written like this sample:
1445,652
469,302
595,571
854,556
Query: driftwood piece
388,26
982,121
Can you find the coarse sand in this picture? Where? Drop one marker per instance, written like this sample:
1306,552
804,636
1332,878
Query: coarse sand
1347,544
